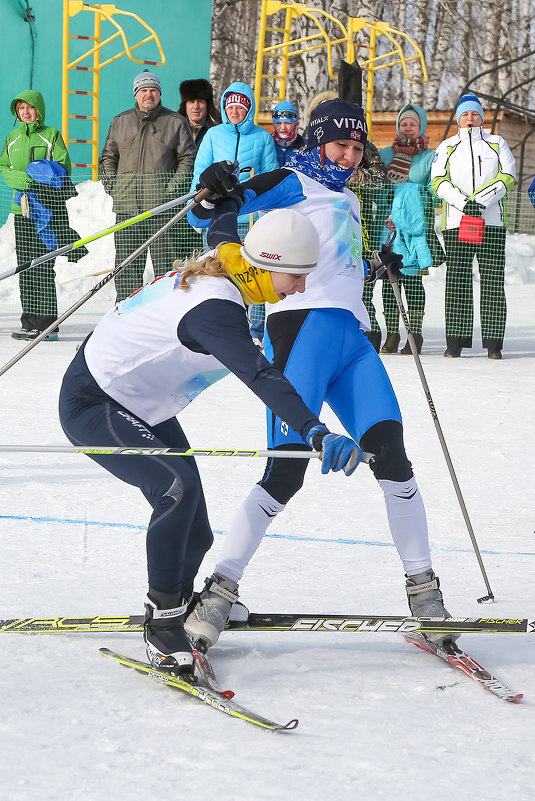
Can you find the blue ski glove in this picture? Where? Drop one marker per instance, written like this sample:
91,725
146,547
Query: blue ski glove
337,452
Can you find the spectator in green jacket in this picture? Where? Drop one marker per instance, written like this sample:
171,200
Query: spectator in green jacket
30,142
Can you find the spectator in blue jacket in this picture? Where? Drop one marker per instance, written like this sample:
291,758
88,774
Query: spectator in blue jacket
285,133
239,139
531,192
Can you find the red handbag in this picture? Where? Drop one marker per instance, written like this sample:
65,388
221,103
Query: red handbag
471,229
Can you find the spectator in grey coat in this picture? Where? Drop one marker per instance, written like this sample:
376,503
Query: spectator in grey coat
146,160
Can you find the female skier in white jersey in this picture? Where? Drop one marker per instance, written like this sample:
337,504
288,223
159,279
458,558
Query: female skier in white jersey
148,358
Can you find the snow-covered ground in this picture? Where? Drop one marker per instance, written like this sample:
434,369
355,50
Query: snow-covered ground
378,718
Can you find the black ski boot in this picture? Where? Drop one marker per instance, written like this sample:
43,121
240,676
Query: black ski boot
167,644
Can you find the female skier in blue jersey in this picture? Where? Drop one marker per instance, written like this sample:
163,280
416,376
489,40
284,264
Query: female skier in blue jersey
317,339
148,358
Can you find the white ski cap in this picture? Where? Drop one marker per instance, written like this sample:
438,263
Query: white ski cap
282,241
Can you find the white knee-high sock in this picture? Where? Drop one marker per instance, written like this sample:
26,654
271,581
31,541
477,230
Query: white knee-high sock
246,531
408,524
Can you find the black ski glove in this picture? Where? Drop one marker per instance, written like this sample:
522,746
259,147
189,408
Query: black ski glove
380,261
473,208
219,178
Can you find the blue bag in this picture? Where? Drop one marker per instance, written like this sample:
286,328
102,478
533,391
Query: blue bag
47,172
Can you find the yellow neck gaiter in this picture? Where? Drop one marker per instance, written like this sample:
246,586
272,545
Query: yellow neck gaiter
254,284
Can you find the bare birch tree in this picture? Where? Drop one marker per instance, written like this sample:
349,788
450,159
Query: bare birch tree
436,62
397,84
525,45
234,42
420,35
491,44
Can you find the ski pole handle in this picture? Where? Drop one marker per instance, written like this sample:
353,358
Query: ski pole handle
392,277
201,195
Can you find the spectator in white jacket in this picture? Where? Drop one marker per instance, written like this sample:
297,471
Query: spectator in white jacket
472,173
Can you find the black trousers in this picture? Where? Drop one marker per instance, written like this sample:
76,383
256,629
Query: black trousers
37,285
162,251
415,297
179,533
459,301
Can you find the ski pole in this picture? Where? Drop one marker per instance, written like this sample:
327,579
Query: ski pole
438,427
104,450
199,196
63,251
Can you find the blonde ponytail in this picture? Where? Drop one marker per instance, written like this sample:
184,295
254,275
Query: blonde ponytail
211,265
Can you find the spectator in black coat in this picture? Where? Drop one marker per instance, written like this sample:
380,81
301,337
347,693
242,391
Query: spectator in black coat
197,106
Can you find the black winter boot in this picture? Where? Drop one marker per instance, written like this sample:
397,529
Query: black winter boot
494,348
375,339
454,346
391,343
418,341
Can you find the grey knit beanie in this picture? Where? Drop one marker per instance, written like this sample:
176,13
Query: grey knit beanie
146,80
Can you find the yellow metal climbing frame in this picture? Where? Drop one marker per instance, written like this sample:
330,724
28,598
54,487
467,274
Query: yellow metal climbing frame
94,64
278,43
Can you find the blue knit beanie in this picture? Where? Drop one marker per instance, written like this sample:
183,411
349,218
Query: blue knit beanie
146,80
336,119
469,103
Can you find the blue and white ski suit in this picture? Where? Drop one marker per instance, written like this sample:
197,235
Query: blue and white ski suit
317,340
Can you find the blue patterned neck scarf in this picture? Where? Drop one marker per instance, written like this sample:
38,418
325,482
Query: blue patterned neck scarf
308,162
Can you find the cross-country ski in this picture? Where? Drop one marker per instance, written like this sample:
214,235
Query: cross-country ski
202,693
459,659
278,622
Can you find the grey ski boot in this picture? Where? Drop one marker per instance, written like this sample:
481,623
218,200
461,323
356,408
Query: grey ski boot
209,617
425,600
167,644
